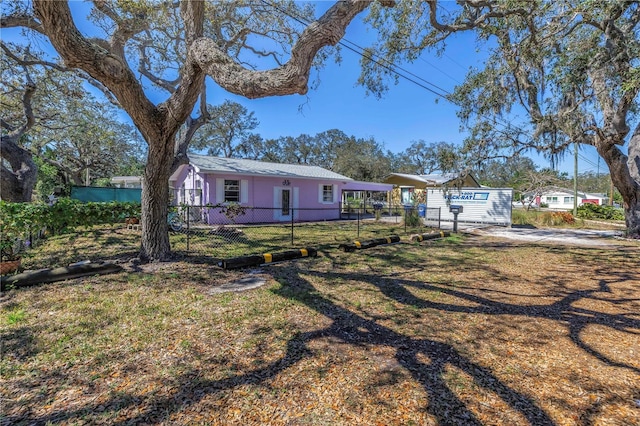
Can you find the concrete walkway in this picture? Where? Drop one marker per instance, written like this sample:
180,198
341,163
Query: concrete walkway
586,237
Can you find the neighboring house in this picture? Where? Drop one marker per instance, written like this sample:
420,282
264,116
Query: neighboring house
408,188
127,181
275,192
562,199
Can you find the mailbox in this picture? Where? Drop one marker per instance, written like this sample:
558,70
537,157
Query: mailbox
455,210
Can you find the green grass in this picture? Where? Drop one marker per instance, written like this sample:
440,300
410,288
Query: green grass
15,316
119,243
110,243
402,329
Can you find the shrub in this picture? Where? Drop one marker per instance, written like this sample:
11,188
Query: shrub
411,217
523,217
18,220
594,211
564,217
556,218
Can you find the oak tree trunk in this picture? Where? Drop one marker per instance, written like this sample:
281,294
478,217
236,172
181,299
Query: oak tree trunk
625,173
155,243
632,200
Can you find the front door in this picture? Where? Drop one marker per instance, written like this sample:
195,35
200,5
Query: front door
286,202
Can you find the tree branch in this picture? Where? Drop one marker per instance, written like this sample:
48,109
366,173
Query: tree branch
288,79
107,68
21,19
478,18
169,86
17,133
31,62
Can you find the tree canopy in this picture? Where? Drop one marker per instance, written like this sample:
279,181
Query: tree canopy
71,130
558,73
228,132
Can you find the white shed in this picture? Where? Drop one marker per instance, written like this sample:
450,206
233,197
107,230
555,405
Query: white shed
479,205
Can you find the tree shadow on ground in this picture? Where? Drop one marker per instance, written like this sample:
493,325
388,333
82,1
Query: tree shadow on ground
577,319
443,403
353,329
346,327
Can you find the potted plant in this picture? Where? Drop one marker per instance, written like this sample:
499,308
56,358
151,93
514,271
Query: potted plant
9,258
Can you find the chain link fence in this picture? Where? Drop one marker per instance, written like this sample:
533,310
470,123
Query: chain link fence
224,231
230,231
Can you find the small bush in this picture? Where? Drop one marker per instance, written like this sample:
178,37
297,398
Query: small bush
411,218
19,219
594,211
523,217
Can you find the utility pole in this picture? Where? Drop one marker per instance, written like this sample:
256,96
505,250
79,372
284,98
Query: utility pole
575,178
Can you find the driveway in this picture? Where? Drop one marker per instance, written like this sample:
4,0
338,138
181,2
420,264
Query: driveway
586,237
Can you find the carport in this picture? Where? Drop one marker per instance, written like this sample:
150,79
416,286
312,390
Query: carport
366,193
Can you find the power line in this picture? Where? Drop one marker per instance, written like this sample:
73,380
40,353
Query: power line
441,72
393,68
587,160
359,50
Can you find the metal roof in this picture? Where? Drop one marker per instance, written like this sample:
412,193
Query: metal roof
208,164
432,179
367,186
440,179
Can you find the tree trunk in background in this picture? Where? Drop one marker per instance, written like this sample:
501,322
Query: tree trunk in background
17,185
632,220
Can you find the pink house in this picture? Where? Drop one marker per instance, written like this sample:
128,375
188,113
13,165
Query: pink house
274,192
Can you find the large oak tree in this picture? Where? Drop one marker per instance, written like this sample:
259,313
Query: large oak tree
559,72
210,43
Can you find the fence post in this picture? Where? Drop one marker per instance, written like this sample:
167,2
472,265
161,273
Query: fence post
293,213
188,233
358,222
405,220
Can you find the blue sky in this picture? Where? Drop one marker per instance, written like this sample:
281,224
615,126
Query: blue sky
406,113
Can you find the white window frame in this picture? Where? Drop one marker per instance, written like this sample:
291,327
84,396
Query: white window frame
323,190
229,188
222,187
327,193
